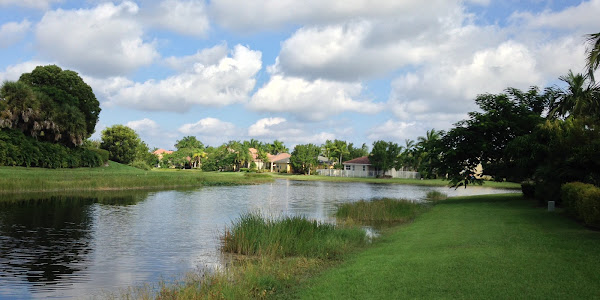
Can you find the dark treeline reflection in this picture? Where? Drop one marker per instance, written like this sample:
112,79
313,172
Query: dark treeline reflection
46,237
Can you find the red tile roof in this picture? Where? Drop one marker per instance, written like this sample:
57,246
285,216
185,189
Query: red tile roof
280,156
162,151
359,161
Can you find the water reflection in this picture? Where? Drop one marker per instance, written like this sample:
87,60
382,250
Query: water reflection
83,245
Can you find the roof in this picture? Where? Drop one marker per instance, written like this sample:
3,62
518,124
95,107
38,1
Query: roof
280,156
254,153
162,151
359,161
283,161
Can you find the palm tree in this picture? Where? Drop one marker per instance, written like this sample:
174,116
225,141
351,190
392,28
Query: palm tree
580,99
593,53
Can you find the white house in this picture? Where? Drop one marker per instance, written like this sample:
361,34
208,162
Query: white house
361,167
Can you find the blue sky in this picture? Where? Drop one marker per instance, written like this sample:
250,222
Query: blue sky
297,71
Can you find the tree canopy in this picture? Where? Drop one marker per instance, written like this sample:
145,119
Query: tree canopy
304,158
384,155
121,142
50,104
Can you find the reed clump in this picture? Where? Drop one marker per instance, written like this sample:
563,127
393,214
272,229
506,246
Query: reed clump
380,211
253,234
436,196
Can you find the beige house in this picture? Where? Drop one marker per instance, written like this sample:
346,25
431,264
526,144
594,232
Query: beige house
361,167
279,162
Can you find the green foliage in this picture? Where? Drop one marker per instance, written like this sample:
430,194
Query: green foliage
582,201
140,164
50,104
16,149
379,211
483,138
189,142
252,234
122,142
385,155
277,147
528,189
304,158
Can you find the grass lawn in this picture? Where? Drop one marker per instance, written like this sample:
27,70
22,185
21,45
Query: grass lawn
425,182
495,246
114,177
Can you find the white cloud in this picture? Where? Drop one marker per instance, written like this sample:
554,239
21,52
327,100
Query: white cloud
269,129
583,16
185,17
262,126
208,56
105,40
310,100
37,4
143,126
13,32
209,127
12,73
266,14
449,88
211,131
393,130
221,82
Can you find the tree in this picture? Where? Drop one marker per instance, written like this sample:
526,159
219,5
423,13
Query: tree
357,152
428,150
189,142
59,106
384,155
121,142
304,158
483,137
277,147
593,54
581,99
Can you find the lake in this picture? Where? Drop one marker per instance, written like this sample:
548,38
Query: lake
91,244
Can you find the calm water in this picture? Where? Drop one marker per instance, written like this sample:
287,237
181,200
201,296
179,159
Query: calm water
82,246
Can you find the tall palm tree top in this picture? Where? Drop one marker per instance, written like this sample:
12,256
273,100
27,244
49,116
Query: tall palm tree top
593,53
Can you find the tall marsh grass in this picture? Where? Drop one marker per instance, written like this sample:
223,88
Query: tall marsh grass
253,234
436,196
379,211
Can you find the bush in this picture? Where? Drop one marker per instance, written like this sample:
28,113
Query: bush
16,149
140,164
528,189
582,201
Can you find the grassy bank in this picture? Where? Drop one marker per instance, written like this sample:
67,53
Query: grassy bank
114,177
384,211
495,246
425,182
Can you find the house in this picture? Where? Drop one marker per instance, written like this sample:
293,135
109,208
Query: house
361,164
361,167
279,162
160,153
259,163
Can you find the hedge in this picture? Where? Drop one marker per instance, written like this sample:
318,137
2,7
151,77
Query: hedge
582,201
16,149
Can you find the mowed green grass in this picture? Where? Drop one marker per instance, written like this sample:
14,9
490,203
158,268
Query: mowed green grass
482,247
114,177
424,182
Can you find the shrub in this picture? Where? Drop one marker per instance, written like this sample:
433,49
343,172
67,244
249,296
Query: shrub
16,149
582,201
140,164
528,189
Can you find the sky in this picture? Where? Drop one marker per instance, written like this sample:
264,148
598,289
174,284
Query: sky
297,71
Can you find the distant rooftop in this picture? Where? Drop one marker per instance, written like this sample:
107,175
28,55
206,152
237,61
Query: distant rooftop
359,161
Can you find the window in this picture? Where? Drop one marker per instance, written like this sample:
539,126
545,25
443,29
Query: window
347,168
352,168
364,168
